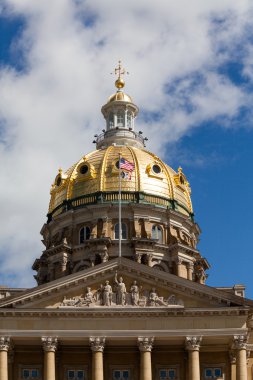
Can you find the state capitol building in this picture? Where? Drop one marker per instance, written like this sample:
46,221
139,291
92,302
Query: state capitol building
121,291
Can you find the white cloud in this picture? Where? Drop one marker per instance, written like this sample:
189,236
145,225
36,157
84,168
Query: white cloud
50,110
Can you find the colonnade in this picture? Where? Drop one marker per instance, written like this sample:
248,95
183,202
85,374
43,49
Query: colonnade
145,344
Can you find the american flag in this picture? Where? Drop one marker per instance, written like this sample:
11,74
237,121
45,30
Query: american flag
124,164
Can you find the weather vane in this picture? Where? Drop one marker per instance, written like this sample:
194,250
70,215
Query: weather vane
119,71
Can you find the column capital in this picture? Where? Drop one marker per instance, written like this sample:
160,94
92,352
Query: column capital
5,343
97,344
49,343
240,342
145,343
192,343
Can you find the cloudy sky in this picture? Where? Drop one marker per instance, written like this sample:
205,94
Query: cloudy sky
191,74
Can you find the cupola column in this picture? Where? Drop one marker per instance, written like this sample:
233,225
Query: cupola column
49,346
192,345
145,347
97,347
4,348
240,345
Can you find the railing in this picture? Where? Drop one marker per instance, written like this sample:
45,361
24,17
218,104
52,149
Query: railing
113,197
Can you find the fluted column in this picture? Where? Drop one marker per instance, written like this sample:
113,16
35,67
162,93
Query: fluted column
145,347
240,345
192,344
4,347
49,346
97,345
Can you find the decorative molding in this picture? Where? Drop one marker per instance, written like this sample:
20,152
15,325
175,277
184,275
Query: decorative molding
184,286
49,343
5,343
145,344
97,344
240,342
192,343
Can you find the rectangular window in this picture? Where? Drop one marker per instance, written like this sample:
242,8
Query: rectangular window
31,374
75,374
212,373
167,374
123,374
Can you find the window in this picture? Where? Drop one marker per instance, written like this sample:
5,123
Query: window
212,373
84,234
120,119
167,374
31,373
129,120
157,233
122,374
111,120
123,231
75,374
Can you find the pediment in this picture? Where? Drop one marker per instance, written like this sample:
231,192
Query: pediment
122,283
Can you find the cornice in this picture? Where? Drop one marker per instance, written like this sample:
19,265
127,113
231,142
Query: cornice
134,269
122,312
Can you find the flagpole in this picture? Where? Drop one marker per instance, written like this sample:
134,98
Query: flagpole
120,226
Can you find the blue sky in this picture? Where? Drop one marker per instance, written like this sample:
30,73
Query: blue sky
191,74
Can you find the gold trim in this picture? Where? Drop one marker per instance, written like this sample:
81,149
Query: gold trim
104,161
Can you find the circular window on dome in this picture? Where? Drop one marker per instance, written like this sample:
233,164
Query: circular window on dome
58,181
156,169
84,169
117,164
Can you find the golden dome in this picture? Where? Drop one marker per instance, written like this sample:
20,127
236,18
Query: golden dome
120,96
94,179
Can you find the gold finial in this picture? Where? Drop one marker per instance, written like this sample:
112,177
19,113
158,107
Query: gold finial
120,83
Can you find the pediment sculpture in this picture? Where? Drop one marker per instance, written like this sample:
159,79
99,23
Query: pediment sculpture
117,295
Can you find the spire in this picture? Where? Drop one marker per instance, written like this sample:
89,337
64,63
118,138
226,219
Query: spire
119,71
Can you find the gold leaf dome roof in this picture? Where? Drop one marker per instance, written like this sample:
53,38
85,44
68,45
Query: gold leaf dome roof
120,96
95,178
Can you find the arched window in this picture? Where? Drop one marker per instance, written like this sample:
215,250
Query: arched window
111,120
120,119
129,120
84,234
123,231
157,233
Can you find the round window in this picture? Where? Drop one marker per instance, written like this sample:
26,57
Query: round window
84,169
58,181
117,164
156,169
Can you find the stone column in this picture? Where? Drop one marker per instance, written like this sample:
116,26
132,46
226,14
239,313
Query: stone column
179,263
192,344
240,345
97,347
189,271
232,356
145,347
49,346
4,347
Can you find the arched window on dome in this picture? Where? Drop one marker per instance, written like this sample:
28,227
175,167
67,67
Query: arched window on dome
123,231
84,234
111,120
157,233
120,119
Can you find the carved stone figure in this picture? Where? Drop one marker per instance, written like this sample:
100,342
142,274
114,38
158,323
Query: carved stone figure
135,295
154,300
121,291
107,294
88,298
